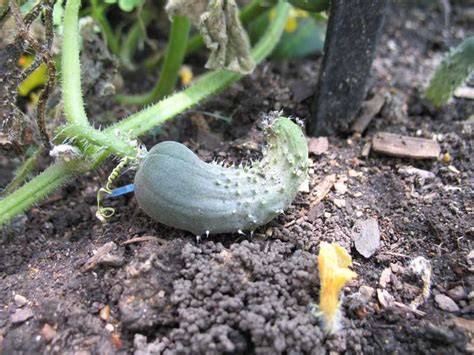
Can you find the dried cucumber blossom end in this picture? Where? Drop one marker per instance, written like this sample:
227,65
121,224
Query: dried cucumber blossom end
219,24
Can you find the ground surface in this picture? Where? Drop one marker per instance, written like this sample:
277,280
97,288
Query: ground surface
237,294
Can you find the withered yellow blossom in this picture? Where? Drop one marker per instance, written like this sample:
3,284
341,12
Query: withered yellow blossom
333,261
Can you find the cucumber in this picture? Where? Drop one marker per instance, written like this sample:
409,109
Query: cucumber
174,187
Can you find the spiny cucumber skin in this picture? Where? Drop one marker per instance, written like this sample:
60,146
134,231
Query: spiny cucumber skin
176,188
451,73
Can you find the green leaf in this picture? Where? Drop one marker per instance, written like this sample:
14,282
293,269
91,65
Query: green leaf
306,40
304,34
455,68
128,5
58,12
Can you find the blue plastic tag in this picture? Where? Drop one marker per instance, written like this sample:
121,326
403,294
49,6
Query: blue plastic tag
121,190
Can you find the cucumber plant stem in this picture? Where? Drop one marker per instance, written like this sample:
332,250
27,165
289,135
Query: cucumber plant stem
98,13
71,67
169,72
60,173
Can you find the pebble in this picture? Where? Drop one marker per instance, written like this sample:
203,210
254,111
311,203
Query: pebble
340,187
457,293
318,146
48,332
385,299
20,300
446,303
21,315
109,327
366,235
366,292
397,268
385,277
339,202
104,313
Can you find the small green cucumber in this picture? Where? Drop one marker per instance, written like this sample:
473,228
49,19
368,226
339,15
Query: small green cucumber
176,188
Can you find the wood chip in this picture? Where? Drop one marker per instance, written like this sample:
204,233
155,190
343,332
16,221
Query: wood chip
322,189
48,332
145,238
409,309
366,149
385,277
369,109
404,146
103,256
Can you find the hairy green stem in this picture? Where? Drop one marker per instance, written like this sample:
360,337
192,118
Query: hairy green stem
60,173
114,142
169,72
37,189
71,66
98,14
23,172
130,44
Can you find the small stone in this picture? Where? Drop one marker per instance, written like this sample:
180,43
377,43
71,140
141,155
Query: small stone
340,187
269,232
397,268
470,257
453,169
385,277
446,303
366,292
48,332
385,299
104,313
109,327
20,300
339,202
327,215
366,236
21,315
318,146
353,173
423,175
304,187
457,293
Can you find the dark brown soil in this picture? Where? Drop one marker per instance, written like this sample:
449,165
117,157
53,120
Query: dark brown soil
242,294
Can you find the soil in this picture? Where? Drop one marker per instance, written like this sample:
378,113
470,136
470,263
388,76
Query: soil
165,292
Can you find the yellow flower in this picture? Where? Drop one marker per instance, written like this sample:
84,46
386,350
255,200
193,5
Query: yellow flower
334,273
186,75
292,22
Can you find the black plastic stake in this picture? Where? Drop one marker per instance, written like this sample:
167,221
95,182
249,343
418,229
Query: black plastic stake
353,31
